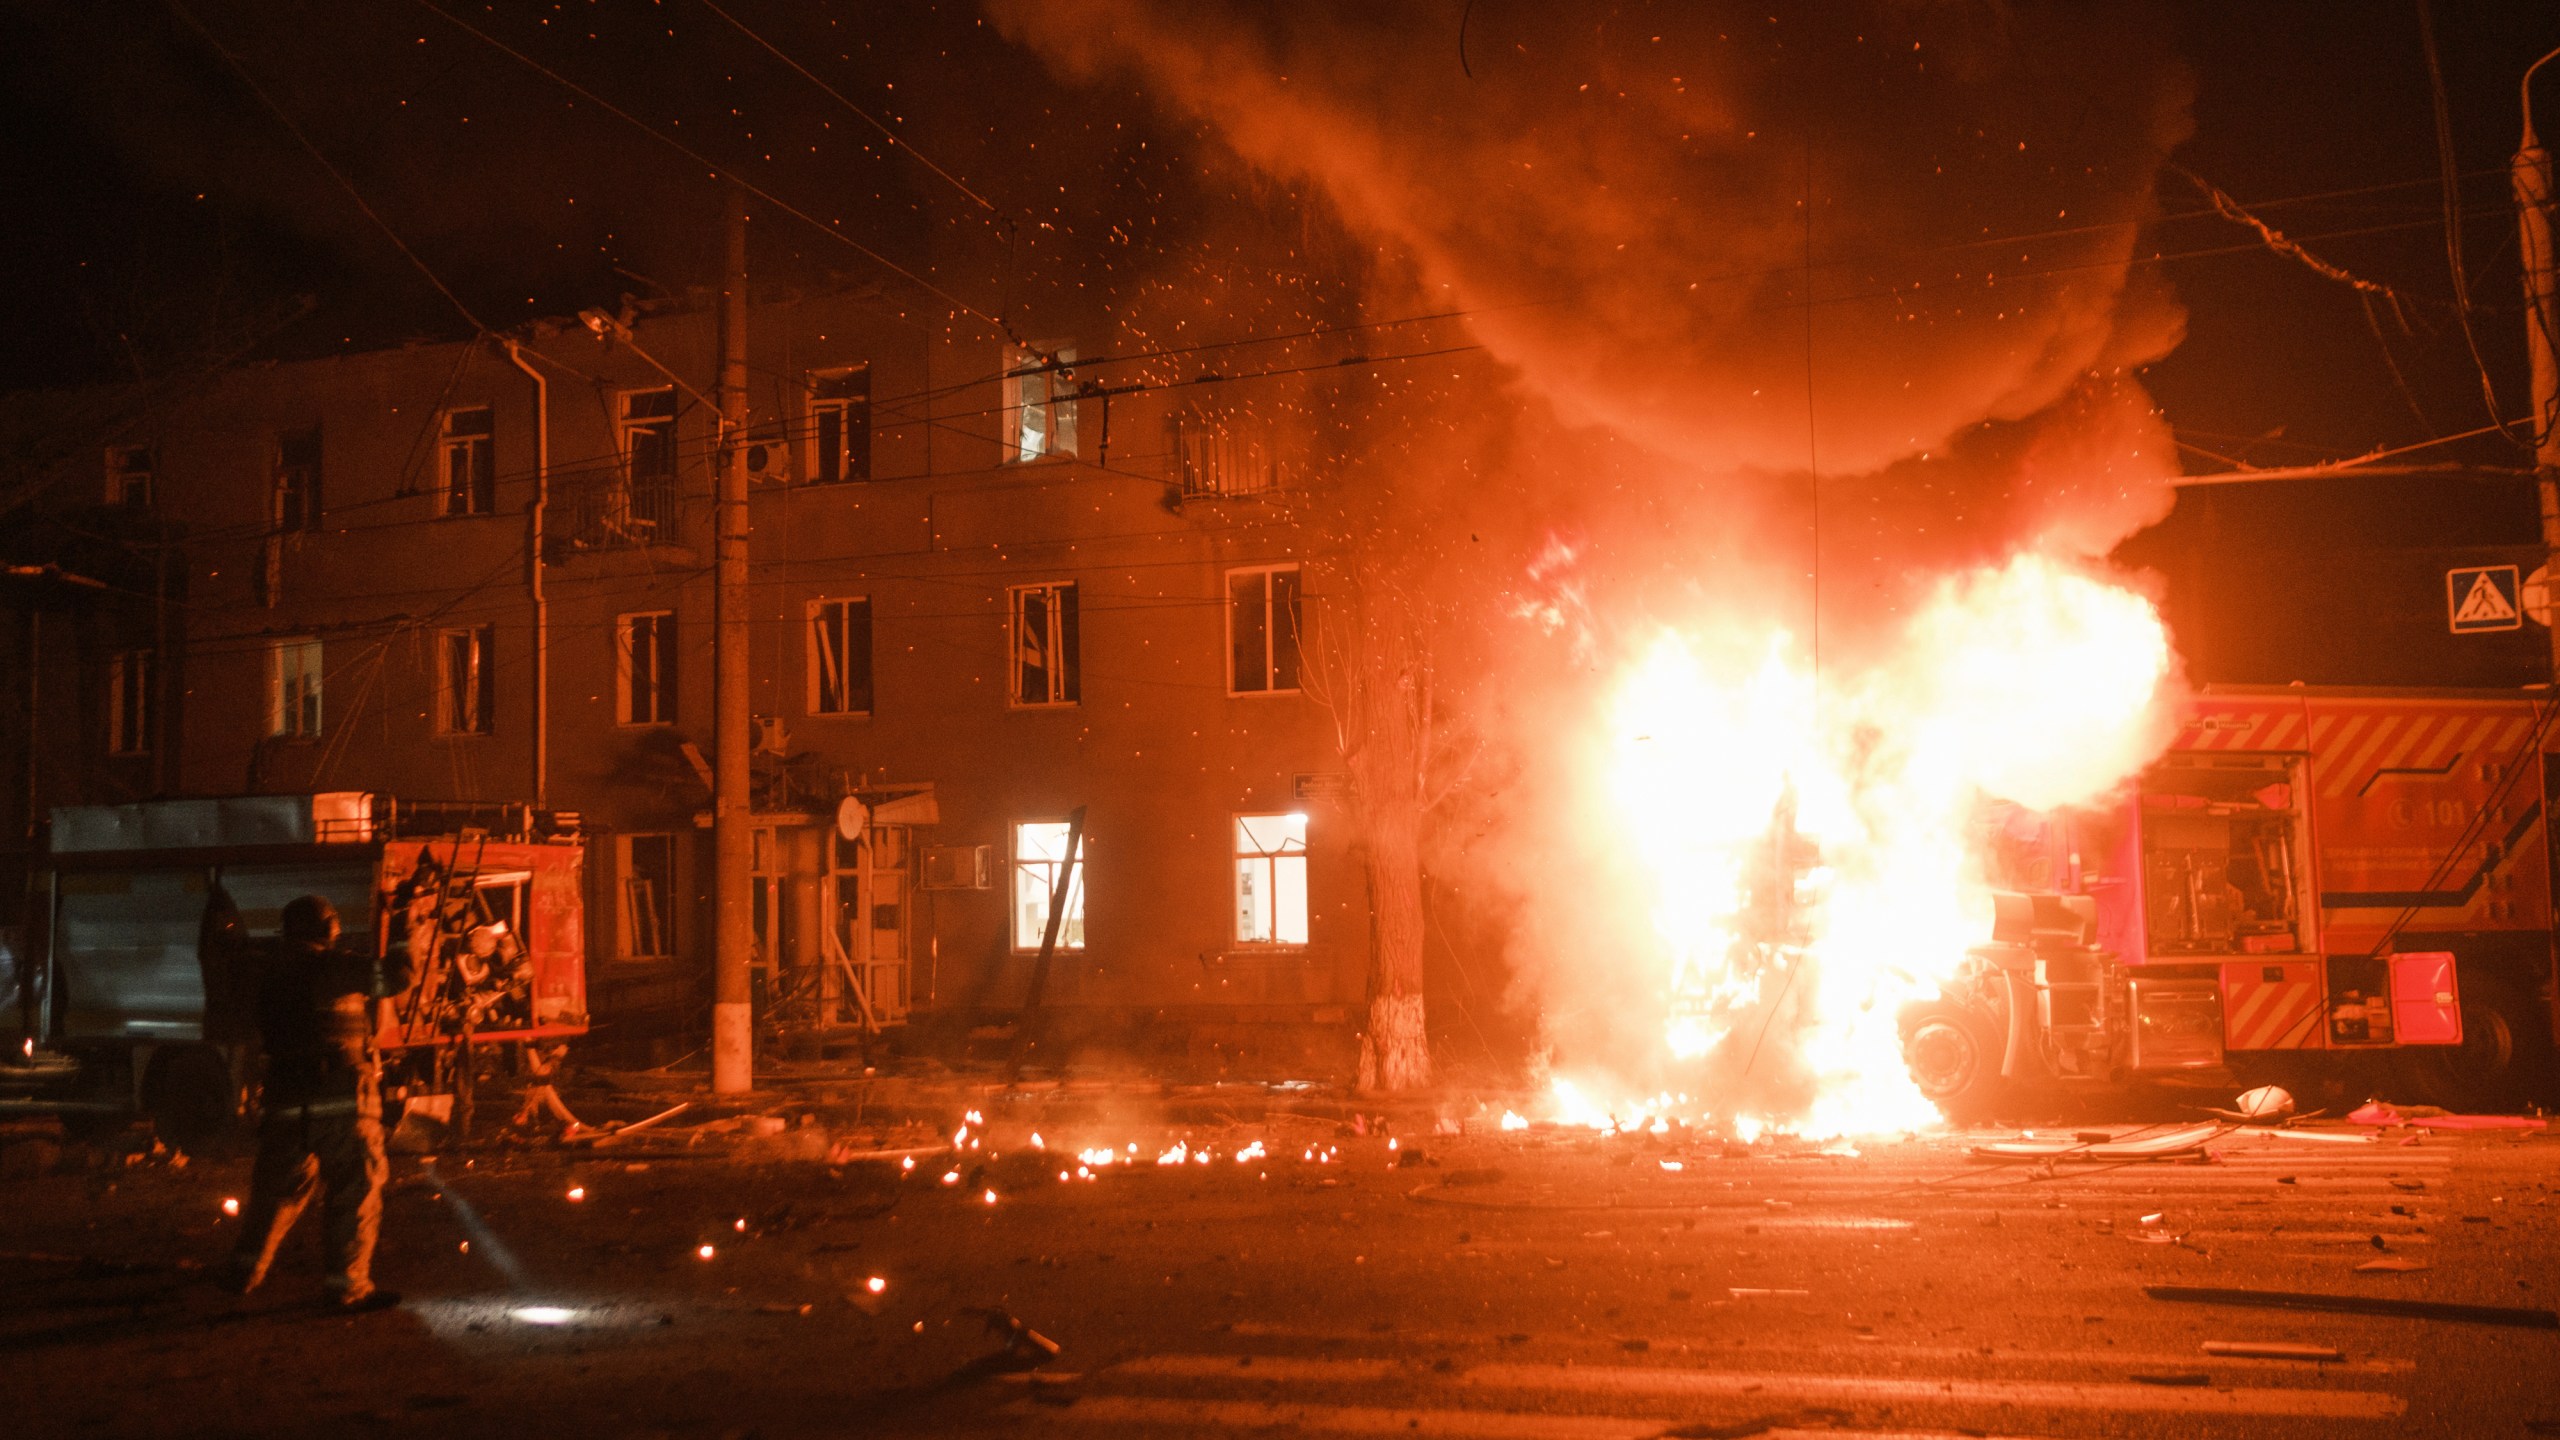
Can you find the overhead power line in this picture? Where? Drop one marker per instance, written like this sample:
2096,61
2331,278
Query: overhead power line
867,117
242,71
725,172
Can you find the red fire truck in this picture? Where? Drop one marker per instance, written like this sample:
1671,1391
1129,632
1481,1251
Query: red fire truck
138,906
2344,891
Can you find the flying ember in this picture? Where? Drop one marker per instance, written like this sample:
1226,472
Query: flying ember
1812,840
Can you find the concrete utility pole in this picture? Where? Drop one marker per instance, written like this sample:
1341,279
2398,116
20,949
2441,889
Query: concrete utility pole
732,833
2531,176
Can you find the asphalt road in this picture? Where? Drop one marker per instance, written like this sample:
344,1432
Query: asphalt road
1509,1285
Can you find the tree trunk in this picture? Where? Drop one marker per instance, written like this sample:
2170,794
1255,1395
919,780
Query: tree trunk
1386,772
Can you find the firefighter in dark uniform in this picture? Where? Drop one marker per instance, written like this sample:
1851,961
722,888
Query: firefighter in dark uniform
321,1134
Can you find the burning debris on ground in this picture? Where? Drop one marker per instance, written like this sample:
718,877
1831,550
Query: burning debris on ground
1118,717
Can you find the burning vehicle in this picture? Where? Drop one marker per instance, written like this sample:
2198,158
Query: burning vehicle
148,910
2309,885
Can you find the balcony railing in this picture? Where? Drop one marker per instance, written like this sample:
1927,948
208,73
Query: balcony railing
607,512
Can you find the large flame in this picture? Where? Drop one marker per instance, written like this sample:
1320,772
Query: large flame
1803,837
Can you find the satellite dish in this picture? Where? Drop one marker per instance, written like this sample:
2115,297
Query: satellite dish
852,817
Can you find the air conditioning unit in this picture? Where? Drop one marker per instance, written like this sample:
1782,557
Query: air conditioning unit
769,455
770,737
957,867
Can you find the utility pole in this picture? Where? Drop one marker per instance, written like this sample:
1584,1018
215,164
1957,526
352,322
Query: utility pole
2531,177
732,835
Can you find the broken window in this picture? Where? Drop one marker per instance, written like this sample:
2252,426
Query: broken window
297,480
2221,858
647,431
839,657
293,688
840,425
1271,879
645,668
470,462
1044,664
464,675
130,469
132,706
648,896
1262,630
1039,403
1039,854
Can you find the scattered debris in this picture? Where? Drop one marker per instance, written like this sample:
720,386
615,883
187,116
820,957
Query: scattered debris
1024,1347
2186,1140
2429,1117
1754,1292
2182,1377
2392,1264
2267,1102
2271,1350
2357,1305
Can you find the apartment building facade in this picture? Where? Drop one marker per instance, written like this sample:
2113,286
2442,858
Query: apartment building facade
973,615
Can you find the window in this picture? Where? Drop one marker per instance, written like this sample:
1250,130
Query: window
1262,630
129,474
647,434
1228,455
1271,879
1039,408
297,480
645,668
464,703
1044,645
1039,853
839,657
132,707
470,460
293,688
648,896
840,426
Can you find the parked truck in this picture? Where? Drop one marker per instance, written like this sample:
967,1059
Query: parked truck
146,918
2338,890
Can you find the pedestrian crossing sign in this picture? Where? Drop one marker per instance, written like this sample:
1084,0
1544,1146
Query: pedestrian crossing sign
2482,598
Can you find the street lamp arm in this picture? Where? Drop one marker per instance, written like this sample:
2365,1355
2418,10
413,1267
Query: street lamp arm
608,327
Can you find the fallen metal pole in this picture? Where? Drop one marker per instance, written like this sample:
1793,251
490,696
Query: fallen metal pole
2357,1305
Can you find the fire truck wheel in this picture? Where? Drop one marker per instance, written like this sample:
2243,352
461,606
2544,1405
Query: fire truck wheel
189,1096
2501,1057
1953,1052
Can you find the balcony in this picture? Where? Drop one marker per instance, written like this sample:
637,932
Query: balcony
612,512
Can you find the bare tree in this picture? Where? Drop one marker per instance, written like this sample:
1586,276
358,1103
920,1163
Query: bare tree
1371,667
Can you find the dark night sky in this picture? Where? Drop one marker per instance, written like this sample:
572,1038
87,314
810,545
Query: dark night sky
159,211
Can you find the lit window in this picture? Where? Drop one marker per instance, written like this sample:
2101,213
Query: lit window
1039,404
1271,879
297,480
645,668
469,450
1039,853
1044,667
839,657
646,430
130,469
648,895
1262,630
840,426
293,688
463,681
132,708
